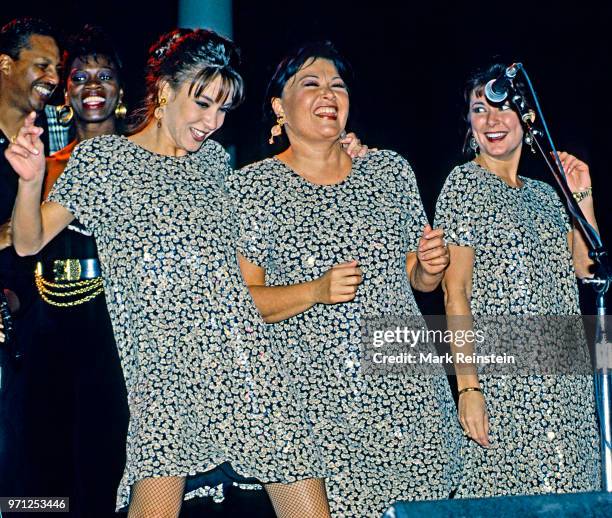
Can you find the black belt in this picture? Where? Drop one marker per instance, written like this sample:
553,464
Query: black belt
65,270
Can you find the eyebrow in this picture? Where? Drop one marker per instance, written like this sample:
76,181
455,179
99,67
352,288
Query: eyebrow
317,77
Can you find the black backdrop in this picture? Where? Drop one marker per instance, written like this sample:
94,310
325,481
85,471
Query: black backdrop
410,62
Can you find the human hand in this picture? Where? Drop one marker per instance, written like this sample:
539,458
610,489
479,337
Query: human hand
576,172
338,284
474,418
432,251
6,235
353,146
26,153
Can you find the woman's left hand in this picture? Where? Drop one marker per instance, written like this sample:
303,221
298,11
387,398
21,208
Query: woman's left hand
576,172
353,146
432,252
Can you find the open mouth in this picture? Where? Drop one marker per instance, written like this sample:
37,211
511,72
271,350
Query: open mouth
327,112
94,102
43,90
496,137
198,135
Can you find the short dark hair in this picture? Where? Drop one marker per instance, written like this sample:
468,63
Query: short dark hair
290,65
476,83
15,35
196,55
92,41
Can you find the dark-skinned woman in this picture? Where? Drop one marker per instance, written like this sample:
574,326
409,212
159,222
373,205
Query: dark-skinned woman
76,379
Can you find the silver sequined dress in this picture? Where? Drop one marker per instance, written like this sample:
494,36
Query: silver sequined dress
385,437
543,428
204,387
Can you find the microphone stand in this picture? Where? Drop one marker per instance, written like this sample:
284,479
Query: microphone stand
600,283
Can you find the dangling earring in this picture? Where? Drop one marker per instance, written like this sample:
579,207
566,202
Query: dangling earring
121,109
528,139
158,113
473,144
277,129
65,113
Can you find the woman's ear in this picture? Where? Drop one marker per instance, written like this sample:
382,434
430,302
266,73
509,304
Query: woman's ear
277,107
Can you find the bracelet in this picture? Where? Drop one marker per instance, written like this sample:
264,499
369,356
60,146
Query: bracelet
470,389
581,195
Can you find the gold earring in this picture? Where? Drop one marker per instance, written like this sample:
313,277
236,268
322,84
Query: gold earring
121,109
277,129
65,113
158,113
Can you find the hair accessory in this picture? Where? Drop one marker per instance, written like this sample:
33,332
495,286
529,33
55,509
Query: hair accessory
277,129
159,52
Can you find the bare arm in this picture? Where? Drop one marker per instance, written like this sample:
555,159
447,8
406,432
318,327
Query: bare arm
579,179
33,226
457,286
278,303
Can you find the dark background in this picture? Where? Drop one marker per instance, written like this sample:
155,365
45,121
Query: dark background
410,62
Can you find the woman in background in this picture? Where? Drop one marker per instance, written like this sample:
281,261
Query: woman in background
76,377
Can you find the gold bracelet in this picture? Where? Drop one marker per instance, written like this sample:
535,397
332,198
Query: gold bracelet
581,195
470,389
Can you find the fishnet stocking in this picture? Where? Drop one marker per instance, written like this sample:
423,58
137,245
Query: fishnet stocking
302,499
159,497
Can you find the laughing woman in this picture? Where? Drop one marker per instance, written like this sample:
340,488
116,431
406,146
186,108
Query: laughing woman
204,387
327,241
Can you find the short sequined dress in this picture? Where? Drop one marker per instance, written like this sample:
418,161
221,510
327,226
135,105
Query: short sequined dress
543,428
385,437
204,387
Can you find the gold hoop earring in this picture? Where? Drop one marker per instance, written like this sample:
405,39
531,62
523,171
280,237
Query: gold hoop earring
120,109
277,129
65,113
158,113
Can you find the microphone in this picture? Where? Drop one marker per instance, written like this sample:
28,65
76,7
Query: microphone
496,90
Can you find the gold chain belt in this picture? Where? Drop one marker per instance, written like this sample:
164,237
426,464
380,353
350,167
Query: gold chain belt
77,280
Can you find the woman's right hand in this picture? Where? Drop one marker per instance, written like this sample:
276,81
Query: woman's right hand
338,284
474,418
26,153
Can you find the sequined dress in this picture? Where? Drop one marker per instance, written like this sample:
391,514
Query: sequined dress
543,428
203,385
385,437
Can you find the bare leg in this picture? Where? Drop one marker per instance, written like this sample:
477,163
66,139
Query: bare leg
157,497
302,499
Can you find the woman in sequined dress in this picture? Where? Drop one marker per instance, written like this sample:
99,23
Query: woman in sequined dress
204,388
515,254
325,242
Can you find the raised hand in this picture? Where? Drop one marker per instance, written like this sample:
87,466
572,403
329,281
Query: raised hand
338,284
432,251
576,172
26,153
